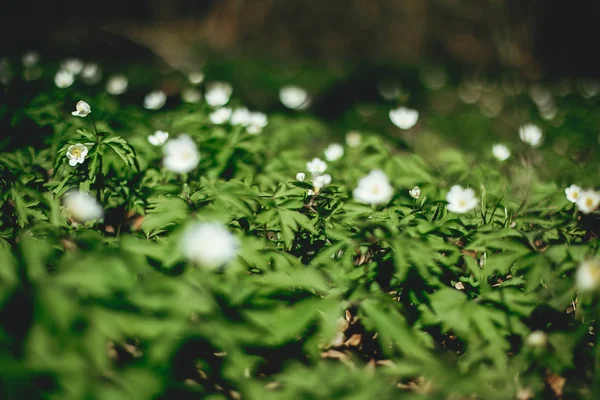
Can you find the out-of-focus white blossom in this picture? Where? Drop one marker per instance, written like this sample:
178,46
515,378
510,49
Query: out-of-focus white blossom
321,181
158,138
240,116
82,109
218,94
30,59
353,139
63,79
316,166
181,154
501,152
374,188
220,116
334,152
404,118
294,97
537,339
573,193
76,154
461,200
82,207
196,77
209,244
415,192
155,100
117,84
300,176
588,201
91,73
191,95
73,65
587,277
531,134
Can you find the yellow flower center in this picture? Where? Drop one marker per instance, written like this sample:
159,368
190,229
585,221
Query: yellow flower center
575,195
76,152
589,202
375,189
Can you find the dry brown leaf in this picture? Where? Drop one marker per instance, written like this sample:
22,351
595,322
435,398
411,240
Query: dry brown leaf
556,383
354,340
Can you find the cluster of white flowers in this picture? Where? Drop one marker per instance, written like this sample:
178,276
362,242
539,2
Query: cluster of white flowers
587,201
294,97
117,84
461,200
404,118
69,69
158,138
82,207
253,121
76,154
334,152
208,244
374,188
317,168
531,134
181,154
155,100
218,93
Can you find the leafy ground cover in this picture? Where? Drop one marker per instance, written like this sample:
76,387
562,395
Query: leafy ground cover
218,259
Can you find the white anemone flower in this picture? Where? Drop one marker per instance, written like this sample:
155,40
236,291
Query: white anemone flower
501,152
573,193
334,152
117,84
181,154
588,201
316,166
218,94
220,116
300,176
155,100
240,116
531,134
258,121
196,77
294,97
353,139
321,181
30,59
91,73
76,154
158,138
73,65
374,188
63,79
82,207
537,339
82,109
404,118
461,200
415,192
587,277
208,244
191,95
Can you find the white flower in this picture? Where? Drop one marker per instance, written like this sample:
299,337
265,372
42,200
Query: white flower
334,152
218,93
91,73
117,84
588,201
461,200
587,277
181,154
209,244
501,152
404,118
300,176
82,109
531,134
294,97
353,139
158,138
316,166
76,154
374,188
240,116
258,119
220,116
63,79
196,77
191,95
30,59
155,100
82,207
537,339
415,192
321,181
573,193
73,65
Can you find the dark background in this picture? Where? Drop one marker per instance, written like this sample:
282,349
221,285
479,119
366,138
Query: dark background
541,38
